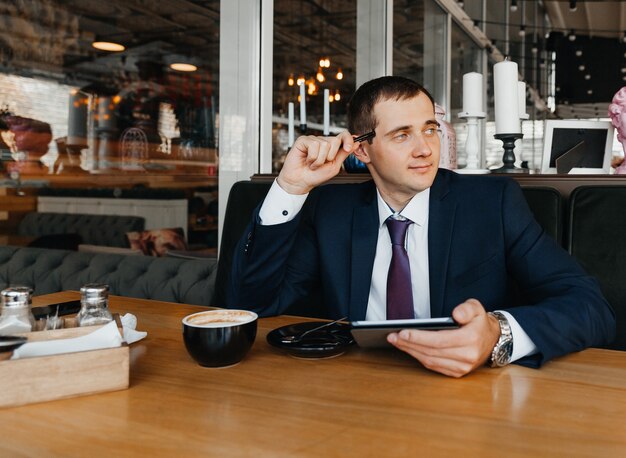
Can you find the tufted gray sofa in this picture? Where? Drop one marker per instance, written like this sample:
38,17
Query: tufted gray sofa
165,279
108,230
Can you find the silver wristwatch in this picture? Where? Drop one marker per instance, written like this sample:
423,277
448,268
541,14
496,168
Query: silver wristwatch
503,350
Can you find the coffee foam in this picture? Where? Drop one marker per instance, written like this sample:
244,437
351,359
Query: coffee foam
220,318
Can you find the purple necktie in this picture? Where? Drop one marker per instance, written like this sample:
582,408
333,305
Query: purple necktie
399,292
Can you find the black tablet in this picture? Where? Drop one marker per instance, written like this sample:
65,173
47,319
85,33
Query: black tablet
372,334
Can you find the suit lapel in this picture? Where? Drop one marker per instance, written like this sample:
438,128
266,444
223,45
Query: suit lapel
440,224
364,239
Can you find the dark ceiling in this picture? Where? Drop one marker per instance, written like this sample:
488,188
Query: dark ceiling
53,38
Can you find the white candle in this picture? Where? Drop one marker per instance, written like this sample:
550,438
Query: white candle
302,105
290,134
506,97
521,101
472,93
326,111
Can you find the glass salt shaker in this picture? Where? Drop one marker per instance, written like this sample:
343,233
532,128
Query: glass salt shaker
94,305
16,314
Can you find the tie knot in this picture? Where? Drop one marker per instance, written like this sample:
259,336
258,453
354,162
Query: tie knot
397,230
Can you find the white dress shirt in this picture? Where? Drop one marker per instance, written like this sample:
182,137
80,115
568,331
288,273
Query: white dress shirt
280,207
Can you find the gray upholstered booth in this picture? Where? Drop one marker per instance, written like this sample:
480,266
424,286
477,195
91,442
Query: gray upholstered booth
108,230
166,279
596,237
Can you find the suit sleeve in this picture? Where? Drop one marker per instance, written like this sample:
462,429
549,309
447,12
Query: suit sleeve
274,266
565,310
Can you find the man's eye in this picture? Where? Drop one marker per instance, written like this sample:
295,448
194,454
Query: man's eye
430,132
400,137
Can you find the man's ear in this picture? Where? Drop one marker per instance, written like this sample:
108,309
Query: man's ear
362,155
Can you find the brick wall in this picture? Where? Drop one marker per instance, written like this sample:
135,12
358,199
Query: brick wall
38,99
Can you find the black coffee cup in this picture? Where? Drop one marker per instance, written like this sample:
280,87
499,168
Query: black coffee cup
218,338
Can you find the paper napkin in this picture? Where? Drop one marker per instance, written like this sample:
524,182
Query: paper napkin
105,337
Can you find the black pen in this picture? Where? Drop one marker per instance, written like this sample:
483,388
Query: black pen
368,136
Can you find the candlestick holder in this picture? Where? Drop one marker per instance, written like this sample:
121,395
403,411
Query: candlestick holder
472,144
508,158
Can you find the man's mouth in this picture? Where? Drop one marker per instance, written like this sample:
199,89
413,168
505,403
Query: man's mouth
420,166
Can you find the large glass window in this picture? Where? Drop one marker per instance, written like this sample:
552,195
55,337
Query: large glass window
145,101
109,94
419,44
465,56
314,47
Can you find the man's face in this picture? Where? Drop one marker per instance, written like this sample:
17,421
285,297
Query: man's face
404,155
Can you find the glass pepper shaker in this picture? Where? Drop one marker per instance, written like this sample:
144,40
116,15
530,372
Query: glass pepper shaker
16,314
94,305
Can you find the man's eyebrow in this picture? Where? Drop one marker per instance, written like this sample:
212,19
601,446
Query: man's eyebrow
397,129
428,122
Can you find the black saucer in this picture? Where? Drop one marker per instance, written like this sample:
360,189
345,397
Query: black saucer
326,342
10,343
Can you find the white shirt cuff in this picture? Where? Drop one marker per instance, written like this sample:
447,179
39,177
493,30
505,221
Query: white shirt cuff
279,206
522,344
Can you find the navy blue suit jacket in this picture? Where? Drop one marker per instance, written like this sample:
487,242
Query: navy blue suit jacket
483,243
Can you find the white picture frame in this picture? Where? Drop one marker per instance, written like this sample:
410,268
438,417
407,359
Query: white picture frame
560,135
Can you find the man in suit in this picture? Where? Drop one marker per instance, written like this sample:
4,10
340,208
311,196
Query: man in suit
469,245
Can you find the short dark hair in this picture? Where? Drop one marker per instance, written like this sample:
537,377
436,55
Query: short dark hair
361,107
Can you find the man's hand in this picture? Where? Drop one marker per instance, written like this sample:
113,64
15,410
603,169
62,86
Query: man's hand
454,352
313,161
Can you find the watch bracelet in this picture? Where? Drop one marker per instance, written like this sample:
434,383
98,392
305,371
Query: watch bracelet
505,337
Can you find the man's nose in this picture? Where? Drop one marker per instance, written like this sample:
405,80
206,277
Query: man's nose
421,147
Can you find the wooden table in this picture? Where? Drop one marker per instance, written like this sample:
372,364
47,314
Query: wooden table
362,403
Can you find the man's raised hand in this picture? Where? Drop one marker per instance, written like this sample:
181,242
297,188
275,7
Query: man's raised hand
313,161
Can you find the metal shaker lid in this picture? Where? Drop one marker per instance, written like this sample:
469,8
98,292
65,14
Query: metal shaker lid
94,291
17,296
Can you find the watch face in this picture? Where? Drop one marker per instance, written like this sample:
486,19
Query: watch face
503,354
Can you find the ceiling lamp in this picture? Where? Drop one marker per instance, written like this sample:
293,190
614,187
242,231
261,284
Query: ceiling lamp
108,46
624,37
340,74
320,76
290,81
513,5
325,62
522,31
337,95
182,67
572,5
311,87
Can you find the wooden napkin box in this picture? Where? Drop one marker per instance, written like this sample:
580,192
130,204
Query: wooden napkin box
47,378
